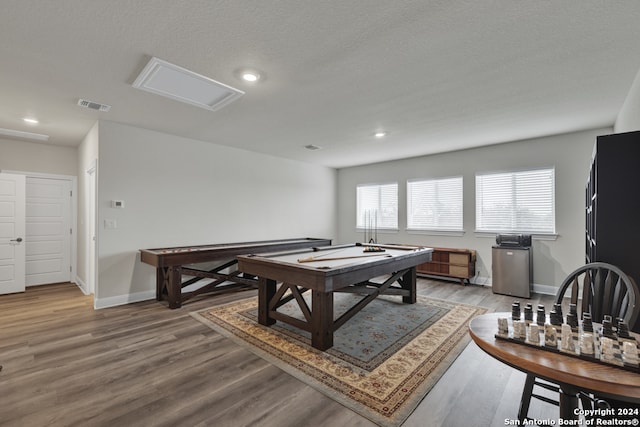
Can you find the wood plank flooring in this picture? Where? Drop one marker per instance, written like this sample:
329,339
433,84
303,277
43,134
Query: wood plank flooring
64,363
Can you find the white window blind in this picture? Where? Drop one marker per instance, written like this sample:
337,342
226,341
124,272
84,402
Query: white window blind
519,202
435,204
377,206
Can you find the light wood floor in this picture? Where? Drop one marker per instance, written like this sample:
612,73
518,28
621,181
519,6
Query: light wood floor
65,363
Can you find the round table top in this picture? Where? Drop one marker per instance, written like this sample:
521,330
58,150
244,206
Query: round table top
606,381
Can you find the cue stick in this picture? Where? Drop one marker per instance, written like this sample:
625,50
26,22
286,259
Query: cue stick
328,248
375,240
302,250
374,219
366,224
312,259
364,220
366,227
399,247
338,249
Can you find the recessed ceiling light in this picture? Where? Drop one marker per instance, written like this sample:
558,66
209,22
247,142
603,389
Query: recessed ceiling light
312,147
380,134
31,120
249,75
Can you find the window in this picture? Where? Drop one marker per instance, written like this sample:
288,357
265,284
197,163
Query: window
516,202
377,206
435,204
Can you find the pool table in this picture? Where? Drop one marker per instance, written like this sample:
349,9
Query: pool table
172,263
286,276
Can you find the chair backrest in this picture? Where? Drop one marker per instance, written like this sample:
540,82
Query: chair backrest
601,289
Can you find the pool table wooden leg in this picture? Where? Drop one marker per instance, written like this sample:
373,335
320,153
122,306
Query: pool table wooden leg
408,282
174,286
160,282
322,320
266,292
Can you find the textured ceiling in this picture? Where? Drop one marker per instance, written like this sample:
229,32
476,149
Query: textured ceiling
437,75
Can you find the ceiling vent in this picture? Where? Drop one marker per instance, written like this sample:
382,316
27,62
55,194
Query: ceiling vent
93,105
177,83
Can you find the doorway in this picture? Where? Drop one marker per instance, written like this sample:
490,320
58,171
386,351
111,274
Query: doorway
12,233
48,238
48,230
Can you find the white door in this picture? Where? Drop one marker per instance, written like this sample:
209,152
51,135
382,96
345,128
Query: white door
48,228
12,233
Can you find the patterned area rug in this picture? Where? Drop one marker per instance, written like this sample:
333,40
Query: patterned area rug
383,362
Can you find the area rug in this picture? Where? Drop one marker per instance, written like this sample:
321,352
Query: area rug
383,361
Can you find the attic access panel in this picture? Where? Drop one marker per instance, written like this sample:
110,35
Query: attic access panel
177,83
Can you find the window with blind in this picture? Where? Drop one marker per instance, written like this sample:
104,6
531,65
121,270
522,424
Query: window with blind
377,206
516,202
435,204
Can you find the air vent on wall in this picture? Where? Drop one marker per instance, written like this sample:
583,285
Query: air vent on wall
177,83
93,105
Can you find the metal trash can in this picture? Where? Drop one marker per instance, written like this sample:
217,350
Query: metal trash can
512,265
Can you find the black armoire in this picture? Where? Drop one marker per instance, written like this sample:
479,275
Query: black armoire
613,204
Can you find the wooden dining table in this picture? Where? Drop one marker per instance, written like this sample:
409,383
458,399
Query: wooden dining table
572,374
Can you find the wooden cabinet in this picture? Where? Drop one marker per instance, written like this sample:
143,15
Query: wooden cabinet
612,204
454,263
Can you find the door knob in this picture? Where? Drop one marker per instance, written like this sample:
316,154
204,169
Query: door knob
19,239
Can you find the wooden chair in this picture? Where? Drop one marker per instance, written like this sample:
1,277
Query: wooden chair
597,288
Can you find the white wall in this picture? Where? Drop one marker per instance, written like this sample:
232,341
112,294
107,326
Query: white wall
629,115
87,156
570,155
28,156
179,191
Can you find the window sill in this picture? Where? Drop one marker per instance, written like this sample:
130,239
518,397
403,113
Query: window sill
379,230
457,233
534,236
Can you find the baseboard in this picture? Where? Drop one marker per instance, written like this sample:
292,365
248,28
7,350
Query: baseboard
123,299
83,286
475,280
545,289
481,280
537,288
